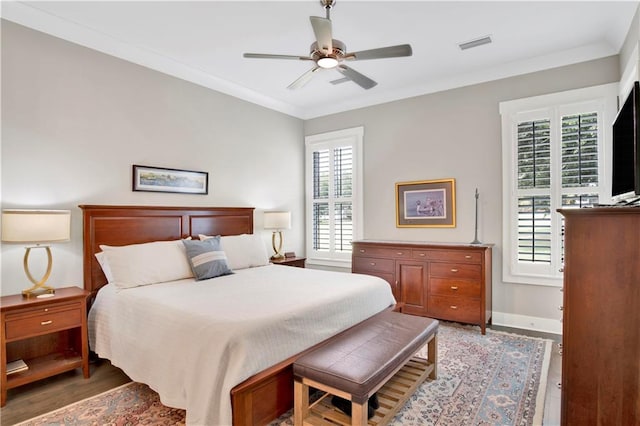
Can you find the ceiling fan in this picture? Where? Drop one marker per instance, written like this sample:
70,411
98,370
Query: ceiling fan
329,53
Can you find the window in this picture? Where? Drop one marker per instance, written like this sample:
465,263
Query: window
333,195
554,154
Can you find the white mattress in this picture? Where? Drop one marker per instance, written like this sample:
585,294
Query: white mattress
192,342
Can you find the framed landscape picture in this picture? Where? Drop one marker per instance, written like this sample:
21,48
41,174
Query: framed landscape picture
158,179
427,203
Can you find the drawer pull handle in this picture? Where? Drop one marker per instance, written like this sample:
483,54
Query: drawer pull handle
467,257
362,250
453,307
453,287
560,308
422,254
46,309
400,253
372,263
454,270
46,322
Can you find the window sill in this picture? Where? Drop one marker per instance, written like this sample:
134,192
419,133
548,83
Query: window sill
342,264
533,280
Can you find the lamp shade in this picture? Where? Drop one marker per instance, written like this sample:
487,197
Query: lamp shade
36,226
277,220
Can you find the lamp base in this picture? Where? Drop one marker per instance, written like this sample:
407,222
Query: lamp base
32,292
277,248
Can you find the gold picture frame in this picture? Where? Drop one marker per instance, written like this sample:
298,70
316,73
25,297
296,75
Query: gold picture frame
426,204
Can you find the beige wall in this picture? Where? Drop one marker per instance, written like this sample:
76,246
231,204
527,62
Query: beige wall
75,120
457,134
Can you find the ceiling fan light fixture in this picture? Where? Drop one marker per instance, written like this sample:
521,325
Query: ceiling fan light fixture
329,53
327,62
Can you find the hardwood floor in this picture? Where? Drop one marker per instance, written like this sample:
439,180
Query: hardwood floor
34,399
55,392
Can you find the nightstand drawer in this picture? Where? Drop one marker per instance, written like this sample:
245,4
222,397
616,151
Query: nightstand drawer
33,322
456,271
368,264
456,288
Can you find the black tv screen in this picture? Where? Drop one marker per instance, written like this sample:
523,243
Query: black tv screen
626,149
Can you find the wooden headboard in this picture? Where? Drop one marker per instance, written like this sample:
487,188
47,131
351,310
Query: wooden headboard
122,225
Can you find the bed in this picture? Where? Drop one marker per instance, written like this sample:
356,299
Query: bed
228,359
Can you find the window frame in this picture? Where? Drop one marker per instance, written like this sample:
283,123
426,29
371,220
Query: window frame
346,137
601,99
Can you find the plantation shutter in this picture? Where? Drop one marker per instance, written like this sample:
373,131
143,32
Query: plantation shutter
321,174
334,196
339,203
553,158
343,160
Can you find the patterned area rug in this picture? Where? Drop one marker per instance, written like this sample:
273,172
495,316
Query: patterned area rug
496,379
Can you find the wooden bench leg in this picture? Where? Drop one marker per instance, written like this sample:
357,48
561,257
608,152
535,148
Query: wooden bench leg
300,402
359,414
432,350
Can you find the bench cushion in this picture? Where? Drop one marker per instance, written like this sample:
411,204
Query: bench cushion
359,358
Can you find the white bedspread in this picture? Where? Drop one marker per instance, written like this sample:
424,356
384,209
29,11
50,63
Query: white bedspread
193,341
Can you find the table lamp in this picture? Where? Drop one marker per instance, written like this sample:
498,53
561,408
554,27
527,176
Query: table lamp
36,227
277,221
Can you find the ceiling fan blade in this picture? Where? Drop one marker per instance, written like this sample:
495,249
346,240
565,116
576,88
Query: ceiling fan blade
339,81
322,30
303,79
268,56
353,75
380,53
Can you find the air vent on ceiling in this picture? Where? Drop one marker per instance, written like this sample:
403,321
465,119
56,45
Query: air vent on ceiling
475,43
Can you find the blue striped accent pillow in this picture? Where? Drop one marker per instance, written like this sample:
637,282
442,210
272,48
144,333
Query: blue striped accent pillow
207,259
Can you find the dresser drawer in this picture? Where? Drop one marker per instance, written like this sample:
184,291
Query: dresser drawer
455,288
378,251
455,256
363,265
455,308
456,271
33,322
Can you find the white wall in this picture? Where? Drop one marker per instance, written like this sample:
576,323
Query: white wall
630,58
457,134
75,120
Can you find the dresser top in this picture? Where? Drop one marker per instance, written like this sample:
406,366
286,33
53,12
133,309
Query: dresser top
425,243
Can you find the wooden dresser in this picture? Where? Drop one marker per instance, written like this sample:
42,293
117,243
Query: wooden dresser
601,317
444,281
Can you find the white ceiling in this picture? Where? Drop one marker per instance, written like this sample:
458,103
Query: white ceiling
203,42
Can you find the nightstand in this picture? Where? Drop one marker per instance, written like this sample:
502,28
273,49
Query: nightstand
48,334
290,261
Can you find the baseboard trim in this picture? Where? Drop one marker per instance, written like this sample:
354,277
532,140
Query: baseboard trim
545,325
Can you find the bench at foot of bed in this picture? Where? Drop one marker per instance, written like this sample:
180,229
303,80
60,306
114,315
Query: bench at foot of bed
376,356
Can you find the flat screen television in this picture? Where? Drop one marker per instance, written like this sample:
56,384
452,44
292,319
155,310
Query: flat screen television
625,179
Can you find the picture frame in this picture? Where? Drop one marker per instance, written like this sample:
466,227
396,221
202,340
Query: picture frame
162,179
426,204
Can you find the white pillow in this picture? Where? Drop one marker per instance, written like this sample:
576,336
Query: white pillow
243,251
104,264
148,263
